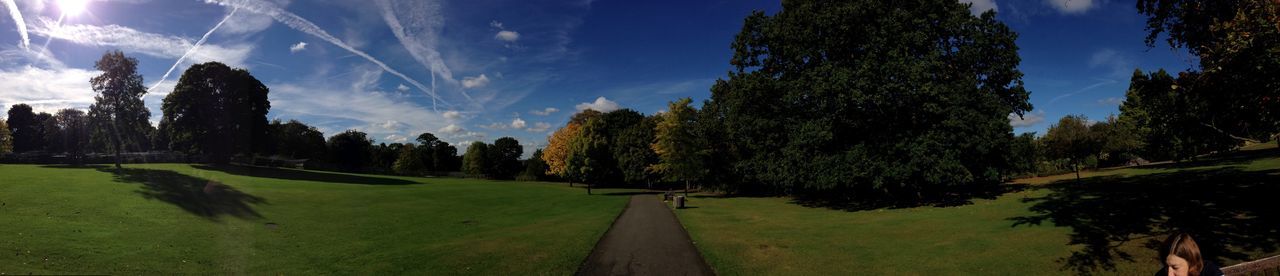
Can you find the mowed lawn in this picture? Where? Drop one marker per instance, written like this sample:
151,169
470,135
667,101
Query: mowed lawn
176,218
1110,222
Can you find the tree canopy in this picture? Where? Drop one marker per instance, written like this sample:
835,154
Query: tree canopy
217,111
350,149
118,113
875,100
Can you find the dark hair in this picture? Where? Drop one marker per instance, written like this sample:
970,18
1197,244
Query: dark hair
1183,246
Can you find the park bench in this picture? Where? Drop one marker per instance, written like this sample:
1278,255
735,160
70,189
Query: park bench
1264,266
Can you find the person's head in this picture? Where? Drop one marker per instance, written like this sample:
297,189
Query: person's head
1182,257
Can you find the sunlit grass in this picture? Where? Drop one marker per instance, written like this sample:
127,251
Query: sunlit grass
164,219
773,236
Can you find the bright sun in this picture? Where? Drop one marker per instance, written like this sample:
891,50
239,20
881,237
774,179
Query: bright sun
72,7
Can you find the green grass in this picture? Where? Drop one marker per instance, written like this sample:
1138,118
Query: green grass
1111,222
172,218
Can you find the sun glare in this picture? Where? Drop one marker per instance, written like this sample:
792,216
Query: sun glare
72,7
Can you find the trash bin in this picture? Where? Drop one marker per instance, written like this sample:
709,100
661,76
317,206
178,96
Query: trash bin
679,202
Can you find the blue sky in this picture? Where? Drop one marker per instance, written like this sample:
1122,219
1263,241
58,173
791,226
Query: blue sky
484,69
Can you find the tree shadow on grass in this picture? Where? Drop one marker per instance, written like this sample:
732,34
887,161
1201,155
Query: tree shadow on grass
1229,212
202,197
303,175
959,197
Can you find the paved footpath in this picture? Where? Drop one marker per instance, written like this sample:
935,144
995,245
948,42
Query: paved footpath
647,239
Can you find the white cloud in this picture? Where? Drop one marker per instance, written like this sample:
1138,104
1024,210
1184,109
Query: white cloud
539,127
475,82
601,104
544,112
1026,120
298,23
380,114
18,22
418,24
452,115
1071,6
402,88
496,24
249,23
130,40
517,123
981,6
508,36
451,129
396,138
299,47
391,125
56,88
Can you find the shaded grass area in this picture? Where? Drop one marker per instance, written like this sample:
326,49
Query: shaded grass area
172,218
1109,223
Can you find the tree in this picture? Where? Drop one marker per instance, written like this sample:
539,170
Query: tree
557,151
587,154
870,101
118,112
1117,141
476,162
1166,118
409,162
504,158
534,168
678,148
1237,43
70,132
1071,139
1025,154
350,149
631,151
427,143
218,111
6,139
26,127
445,157
295,139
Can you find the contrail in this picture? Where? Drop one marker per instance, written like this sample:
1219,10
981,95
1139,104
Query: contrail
419,18
17,20
298,23
191,50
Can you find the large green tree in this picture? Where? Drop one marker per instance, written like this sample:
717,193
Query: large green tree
869,100
118,114
1072,139
475,163
680,152
409,161
588,154
504,158
27,128
1235,92
631,152
218,111
350,149
295,139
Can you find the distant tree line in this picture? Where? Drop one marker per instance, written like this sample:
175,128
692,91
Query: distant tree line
217,113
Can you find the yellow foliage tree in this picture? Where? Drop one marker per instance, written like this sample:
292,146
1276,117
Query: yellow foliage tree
557,150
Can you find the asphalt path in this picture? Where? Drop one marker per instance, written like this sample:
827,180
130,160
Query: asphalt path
646,239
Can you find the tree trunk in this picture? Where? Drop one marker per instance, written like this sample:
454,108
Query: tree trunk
116,141
686,189
1077,165
588,188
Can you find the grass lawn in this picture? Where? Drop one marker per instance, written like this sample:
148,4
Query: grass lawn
1110,222
174,218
